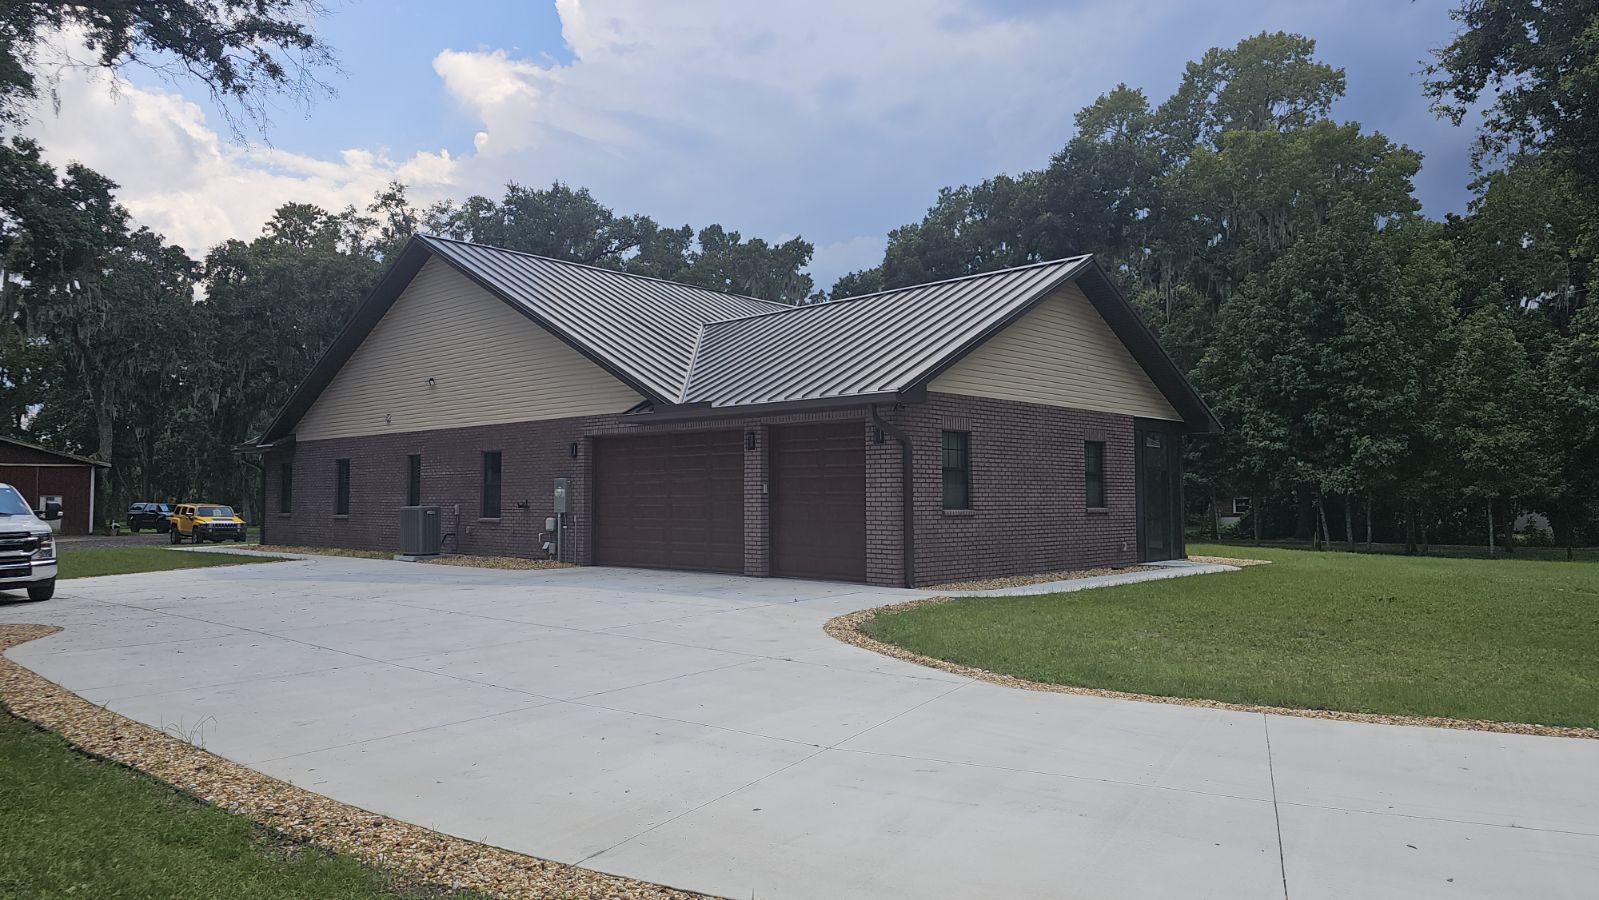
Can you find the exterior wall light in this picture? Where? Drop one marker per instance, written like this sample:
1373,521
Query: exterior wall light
571,449
749,440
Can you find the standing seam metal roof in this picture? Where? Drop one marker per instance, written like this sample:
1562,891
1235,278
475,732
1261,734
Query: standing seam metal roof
696,348
646,327
873,344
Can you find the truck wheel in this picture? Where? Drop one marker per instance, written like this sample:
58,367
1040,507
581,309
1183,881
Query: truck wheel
132,528
173,537
41,592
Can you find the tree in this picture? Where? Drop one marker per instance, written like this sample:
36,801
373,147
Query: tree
1537,63
565,223
1487,419
242,50
1322,359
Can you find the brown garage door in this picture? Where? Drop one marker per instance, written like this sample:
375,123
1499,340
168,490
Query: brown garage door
819,501
670,501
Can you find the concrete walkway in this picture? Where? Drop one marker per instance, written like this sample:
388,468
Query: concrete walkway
1157,572
702,732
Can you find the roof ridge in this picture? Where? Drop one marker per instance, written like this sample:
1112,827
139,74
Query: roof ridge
909,287
567,262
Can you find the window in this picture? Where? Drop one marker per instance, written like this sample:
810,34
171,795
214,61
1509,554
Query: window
285,487
957,470
341,487
1094,474
1240,506
491,484
413,480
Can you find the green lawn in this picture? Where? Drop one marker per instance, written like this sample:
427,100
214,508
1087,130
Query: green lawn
123,560
1508,640
71,826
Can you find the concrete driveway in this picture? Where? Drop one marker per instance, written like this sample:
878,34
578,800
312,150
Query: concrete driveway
701,731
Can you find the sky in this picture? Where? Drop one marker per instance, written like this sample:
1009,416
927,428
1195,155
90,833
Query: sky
833,120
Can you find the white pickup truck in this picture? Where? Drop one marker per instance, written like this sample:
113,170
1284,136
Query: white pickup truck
27,546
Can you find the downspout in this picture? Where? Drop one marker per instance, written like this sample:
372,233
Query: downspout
907,492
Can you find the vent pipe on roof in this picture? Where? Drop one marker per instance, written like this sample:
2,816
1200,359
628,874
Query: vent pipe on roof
907,490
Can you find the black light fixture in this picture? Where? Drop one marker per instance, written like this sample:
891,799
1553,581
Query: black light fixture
572,449
877,436
749,440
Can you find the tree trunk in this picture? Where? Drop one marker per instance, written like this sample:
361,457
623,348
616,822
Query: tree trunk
1510,530
105,423
1410,526
1325,540
1426,529
1368,521
1491,551
1215,517
1349,522
1304,516
1254,513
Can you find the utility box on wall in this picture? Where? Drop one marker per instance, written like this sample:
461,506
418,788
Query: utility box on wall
419,531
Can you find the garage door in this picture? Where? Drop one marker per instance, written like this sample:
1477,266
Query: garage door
670,501
819,501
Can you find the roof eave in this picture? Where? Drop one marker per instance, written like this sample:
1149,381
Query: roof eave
1146,349
703,410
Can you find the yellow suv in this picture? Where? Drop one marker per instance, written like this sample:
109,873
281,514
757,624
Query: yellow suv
205,522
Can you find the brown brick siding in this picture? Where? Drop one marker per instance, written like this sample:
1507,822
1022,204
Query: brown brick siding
1027,488
1027,494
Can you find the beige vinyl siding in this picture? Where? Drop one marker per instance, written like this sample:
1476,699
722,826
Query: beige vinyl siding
490,365
1061,353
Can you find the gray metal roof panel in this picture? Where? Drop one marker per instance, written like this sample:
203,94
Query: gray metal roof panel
877,343
645,327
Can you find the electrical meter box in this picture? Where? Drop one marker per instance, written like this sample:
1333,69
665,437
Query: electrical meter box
560,495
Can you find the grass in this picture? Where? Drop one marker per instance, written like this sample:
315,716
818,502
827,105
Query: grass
1505,640
72,826
94,561
1458,551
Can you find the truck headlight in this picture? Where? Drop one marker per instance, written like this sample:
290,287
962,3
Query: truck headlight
47,548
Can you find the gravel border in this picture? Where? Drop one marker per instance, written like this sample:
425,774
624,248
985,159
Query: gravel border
1007,581
454,559
1229,561
414,852
847,628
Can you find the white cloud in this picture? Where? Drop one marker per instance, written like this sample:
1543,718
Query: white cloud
180,177
834,119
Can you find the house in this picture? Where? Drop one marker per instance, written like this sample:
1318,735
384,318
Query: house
1037,421
44,475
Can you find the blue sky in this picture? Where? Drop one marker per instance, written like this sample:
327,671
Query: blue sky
835,120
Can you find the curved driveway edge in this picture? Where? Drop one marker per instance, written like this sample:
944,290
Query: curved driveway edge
439,860
703,731
847,628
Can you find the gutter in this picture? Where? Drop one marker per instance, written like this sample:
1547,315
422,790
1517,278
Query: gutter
907,492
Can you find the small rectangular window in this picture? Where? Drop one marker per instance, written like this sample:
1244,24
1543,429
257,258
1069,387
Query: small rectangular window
1240,506
957,470
1094,474
413,480
491,484
341,487
285,487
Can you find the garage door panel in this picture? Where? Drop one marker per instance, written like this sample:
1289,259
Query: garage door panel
672,501
819,501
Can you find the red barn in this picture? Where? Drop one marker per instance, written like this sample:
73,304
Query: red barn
41,474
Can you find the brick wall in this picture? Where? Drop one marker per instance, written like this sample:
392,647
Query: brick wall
1027,488
1027,492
